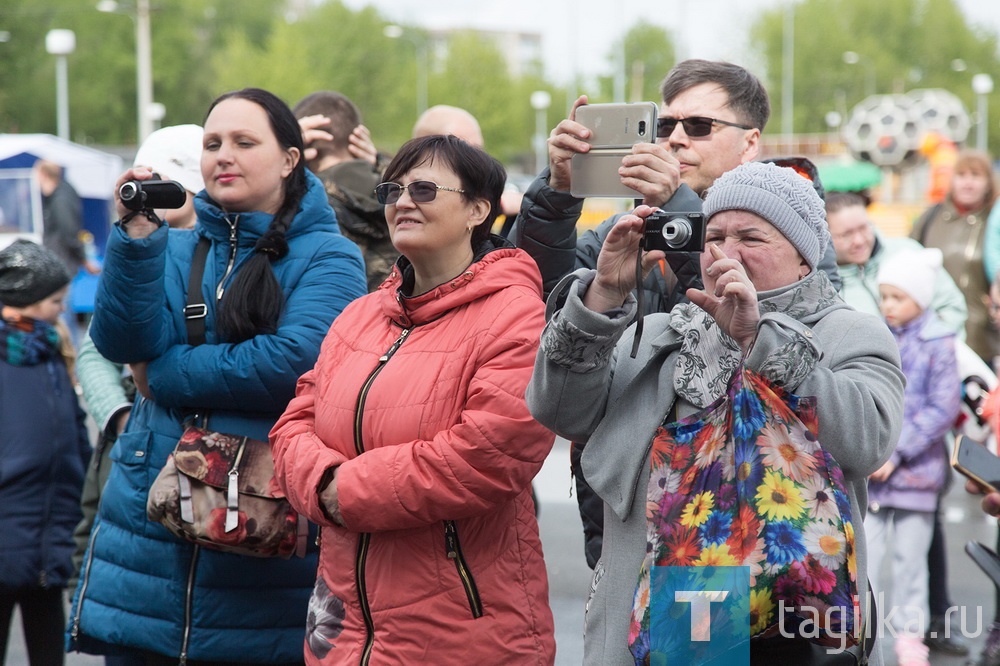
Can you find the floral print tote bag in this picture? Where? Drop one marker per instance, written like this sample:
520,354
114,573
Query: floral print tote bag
744,482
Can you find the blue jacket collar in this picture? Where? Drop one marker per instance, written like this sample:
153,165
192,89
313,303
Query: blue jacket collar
314,212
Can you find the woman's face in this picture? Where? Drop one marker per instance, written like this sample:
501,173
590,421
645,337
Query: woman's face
852,234
243,164
968,188
769,259
438,227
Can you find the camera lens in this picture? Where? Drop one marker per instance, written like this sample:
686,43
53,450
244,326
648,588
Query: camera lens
677,232
129,191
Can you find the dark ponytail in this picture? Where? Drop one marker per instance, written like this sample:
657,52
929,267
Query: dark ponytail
252,304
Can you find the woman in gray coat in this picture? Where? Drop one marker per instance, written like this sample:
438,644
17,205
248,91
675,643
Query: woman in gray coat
763,300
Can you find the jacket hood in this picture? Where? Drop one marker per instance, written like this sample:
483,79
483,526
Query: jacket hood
314,213
496,265
926,326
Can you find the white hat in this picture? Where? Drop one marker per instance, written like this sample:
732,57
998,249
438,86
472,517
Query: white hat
913,271
175,153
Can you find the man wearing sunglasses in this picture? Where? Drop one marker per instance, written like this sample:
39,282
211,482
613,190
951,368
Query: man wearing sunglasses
711,118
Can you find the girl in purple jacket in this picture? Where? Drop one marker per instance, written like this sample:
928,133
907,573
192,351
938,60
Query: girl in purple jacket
903,494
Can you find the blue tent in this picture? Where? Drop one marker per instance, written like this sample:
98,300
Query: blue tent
91,172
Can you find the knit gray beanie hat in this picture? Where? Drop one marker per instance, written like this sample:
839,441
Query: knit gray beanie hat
779,195
29,273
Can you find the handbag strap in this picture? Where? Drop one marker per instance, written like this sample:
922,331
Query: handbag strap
195,311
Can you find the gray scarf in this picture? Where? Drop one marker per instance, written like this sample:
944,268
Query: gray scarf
708,357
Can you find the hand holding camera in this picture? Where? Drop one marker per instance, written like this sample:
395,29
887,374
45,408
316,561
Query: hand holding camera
138,192
141,195
616,264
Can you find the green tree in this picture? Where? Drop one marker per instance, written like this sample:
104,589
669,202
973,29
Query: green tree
202,48
331,48
649,55
102,69
901,44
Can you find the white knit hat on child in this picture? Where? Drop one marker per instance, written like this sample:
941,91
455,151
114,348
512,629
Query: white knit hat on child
913,271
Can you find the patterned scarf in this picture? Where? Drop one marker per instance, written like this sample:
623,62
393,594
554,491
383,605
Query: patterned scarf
708,357
26,341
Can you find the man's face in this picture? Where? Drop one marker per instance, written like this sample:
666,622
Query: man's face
703,159
852,234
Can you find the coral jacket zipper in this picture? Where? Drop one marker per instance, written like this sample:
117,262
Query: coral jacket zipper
364,539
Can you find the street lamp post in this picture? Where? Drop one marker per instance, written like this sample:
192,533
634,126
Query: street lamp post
61,43
540,101
854,58
788,72
143,62
420,46
982,85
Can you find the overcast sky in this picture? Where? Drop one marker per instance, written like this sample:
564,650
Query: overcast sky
579,33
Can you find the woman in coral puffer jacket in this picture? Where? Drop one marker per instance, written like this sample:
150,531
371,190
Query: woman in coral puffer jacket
410,442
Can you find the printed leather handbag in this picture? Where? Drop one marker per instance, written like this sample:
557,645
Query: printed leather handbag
219,491
745,482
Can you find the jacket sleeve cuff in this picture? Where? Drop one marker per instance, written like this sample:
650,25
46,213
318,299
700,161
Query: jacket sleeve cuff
555,202
109,422
579,339
784,350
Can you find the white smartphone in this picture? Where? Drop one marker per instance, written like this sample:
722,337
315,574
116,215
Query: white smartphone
614,128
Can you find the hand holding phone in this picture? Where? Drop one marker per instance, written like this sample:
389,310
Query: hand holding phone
975,461
614,129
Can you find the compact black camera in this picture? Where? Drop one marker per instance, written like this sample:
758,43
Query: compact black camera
139,195
674,232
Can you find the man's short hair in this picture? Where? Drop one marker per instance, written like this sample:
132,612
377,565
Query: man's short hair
838,201
747,96
343,114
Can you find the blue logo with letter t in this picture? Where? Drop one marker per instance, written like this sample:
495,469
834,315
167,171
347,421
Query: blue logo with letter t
699,616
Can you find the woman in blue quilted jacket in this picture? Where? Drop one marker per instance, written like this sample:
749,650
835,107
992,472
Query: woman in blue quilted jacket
278,272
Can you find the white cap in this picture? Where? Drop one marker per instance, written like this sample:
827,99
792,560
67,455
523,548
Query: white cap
175,153
913,271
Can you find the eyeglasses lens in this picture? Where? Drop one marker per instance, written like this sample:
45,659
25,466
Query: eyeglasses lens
387,193
421,191
695,126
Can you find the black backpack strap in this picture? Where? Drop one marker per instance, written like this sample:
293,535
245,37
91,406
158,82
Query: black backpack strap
196,310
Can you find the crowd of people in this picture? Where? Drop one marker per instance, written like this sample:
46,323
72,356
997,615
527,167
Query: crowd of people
409,336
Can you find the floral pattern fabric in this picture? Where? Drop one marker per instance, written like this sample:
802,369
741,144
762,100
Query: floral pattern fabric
266,525
744,482
708,357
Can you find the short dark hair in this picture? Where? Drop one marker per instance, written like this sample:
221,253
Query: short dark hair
747,97
837,201
253,302
343,114
481,175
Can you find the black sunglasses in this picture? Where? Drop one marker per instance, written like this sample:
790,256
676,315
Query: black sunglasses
421,191
695,126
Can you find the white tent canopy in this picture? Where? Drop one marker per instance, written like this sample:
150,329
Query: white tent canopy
91,172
